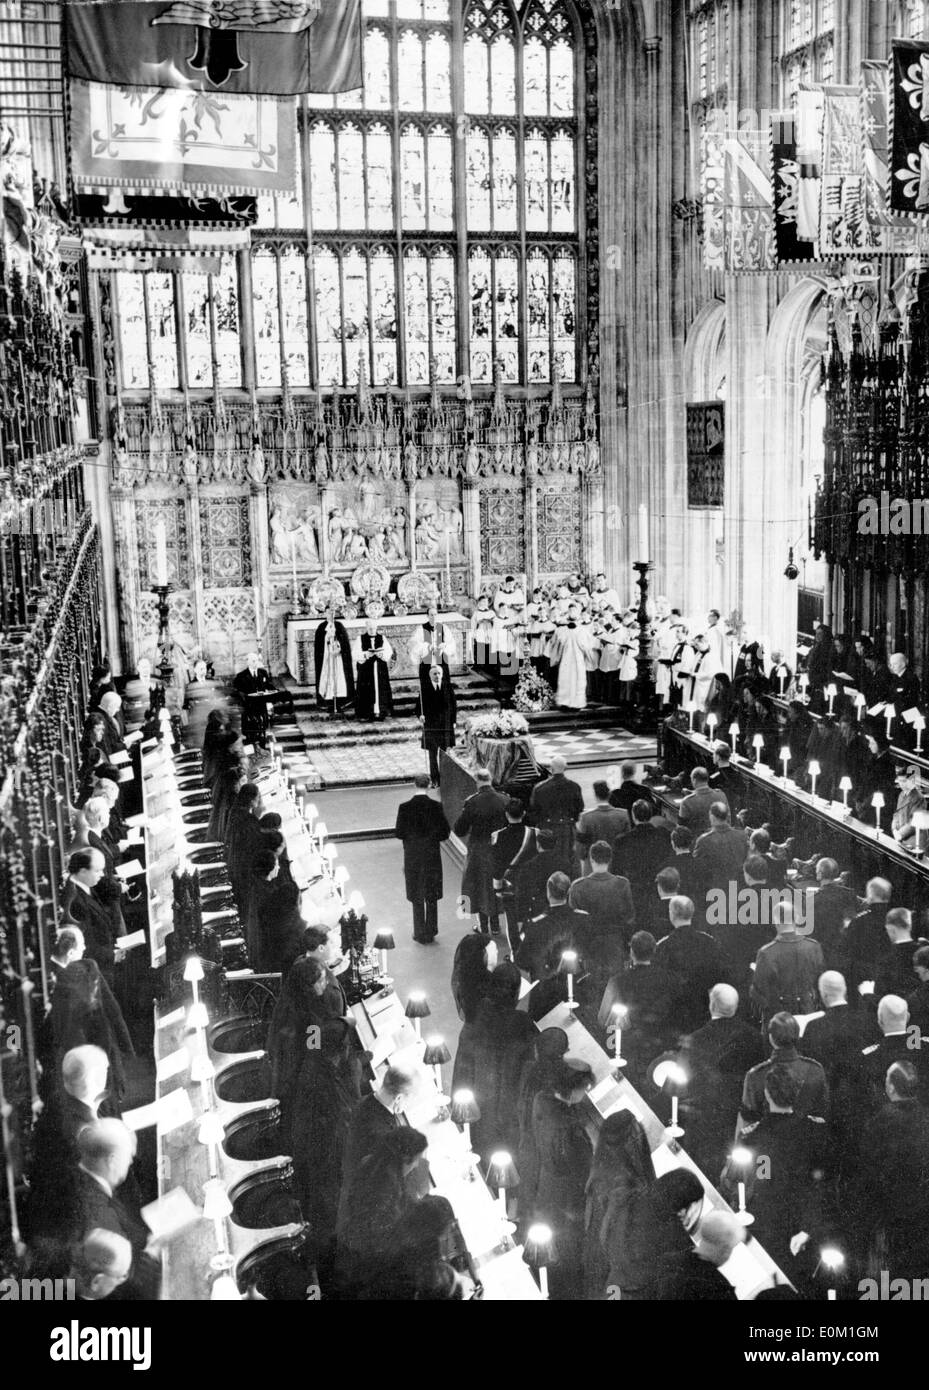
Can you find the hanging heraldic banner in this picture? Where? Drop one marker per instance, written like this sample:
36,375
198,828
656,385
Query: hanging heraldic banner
157,139
264,47
909,184
706,454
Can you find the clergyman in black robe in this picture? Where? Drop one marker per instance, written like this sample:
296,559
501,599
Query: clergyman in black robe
437,710
372,653
335,679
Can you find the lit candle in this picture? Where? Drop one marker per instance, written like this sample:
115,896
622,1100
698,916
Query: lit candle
845,787
785,760
692,708
758,744
569,963
711,722
831,693
734,733
877,801
161,553
742,1158
833,1260
814,771
643,534
619,1018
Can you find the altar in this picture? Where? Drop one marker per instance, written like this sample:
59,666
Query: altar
301,634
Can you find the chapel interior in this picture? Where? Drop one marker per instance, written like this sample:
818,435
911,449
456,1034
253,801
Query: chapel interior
464,810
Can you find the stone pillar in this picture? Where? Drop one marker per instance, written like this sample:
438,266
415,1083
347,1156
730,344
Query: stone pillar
592,522
471,511
126,565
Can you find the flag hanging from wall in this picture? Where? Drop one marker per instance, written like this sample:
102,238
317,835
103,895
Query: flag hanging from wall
267,47
156,139
909,152
898,235
712,188
120,210
749,203
844,229
787,191
193,249
810,115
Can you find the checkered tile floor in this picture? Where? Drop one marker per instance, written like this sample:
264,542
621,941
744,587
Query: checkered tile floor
348,763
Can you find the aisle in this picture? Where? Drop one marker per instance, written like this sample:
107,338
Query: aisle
376,868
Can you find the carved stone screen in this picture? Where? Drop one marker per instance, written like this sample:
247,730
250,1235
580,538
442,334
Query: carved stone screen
706,454
503,530
559,510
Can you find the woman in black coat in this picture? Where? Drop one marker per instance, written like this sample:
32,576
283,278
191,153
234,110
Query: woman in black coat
243,840
493,1054
426,1235
565,1157
84,1010
217,737
550,1048
622,1168
643,1226
324,1099
297,1009
475,959
232,774
377,1197
274,927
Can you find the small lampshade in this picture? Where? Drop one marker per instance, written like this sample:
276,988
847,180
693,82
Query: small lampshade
501,1171
193,970
741,1156
322,830
417,1005
384,941
202,1069
832,1258
436,1053
921,820
197,1016
211,1130
330,852
539,1247
845,784
734,728
890,711
758,741
216,1203
465,1109
341,874
310,811
831,690
784,754
813,768
669,1074
877,800
619,1013
568,962
356,904
225,1289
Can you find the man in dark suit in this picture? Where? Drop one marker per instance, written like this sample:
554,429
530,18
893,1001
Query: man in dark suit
813,1098
896,1044
482,814
106,1150
422,827
604,822
252,683
80,907
552,933
694,810
639,855
722,851
738,941
110,707
786,969
643,990
716,1058
629,790
891,1196
556,805
866,937
895,973
376,1115
655,917
693,963
437,711
689,871
838,1036
830,906
918,1001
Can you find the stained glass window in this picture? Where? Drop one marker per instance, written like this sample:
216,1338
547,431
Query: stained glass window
441,217
807,51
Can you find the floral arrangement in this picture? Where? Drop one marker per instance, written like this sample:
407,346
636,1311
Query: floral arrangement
504,723
533,693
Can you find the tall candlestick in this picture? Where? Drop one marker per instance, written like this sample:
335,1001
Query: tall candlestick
643,534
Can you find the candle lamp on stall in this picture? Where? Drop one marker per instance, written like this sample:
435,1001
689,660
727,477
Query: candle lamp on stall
669,1076
568,967
465,1111
211,1132
322,830
619,1016
890,714
193,974
417,1008
202,1072
436,1053
341,877
734,735
785,761
814,770
711,723
384,942
833,1261
692,708
845,786
742,1160
216,1208
502,1175
877,801
758,744
539,1252
860,704
830,692
921,826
